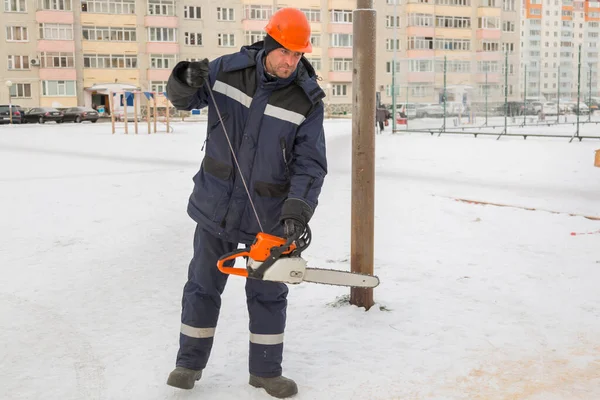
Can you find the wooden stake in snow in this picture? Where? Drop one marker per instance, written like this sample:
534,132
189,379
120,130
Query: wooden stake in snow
363,148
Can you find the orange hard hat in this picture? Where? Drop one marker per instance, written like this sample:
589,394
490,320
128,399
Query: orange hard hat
291,29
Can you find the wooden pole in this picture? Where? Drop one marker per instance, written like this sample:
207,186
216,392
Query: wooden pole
363,148
148,112
155,97
135,111
167,108
125,111
111,107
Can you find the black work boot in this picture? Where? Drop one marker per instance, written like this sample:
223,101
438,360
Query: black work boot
279,386
183,378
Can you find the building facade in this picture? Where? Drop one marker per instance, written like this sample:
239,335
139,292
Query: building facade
554,32
64,53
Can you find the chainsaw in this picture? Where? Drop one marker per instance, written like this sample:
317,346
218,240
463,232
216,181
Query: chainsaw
272,258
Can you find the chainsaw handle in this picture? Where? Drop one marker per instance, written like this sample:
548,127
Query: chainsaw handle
232,256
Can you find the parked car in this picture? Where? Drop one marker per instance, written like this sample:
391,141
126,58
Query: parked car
80,114
43,114
5,111
550,108
430,110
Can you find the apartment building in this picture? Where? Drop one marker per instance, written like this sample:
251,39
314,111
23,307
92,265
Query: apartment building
65,53
553,31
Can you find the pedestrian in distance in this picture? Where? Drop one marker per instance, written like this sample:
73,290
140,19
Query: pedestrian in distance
263,170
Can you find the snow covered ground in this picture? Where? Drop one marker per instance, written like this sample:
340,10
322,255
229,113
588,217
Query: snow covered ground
475,302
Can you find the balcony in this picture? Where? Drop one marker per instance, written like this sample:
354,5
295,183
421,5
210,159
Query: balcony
339,52
56,46
160,21
54,17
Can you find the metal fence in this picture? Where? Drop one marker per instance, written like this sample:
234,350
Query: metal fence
492,93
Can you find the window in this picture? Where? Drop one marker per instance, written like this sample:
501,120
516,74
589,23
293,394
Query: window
508,47
535,32
420,43
20,91
488,23
315,39
452,44
341,16
114,34
489,3
487,66
341,64
108,7
341,40
225,14
193,39
508,5
109,61
508,26
161,7
57,60
443,21
193,12
58,88
420,20
158,86
162,34
511,69
258,12
392,2
254,36
313,15
18,62
339,89
392,22
464,3
315,62
388,67
226,40
16,34
454,66
15,5
162,61
56,31
59,5
489,46
392,44
420,65
419,90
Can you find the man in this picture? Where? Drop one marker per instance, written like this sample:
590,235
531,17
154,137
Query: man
271,110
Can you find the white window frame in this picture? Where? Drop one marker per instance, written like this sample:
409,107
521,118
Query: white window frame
226,39
419,19
157,34
312,14
110,61
340,16
112,34
189,37
422,65
163,61
192,12
251,37
225,14
489,23
388,66
11,33
316,63
341,64
58,31
56,5
258,12
161,7
15,6
315,39
19,90
121,7
389,44
158,86
56,60
342,40
22,61
62,88
339,89
389,21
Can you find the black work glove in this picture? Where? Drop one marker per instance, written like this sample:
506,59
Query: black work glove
295,215
196,74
